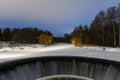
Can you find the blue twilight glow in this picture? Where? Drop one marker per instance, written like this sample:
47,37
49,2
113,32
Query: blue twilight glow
58,16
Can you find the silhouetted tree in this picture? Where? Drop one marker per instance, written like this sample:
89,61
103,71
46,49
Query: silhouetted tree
0,34
111,18
78,33
118,22
27,35
6,34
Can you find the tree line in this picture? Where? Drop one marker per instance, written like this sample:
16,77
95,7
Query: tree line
22,35
104,29
106,26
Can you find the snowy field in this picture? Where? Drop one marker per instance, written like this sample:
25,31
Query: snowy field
36,50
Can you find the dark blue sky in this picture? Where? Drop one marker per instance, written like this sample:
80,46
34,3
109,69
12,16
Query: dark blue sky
58,16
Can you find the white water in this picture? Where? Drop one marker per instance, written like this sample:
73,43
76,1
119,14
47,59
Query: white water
48,67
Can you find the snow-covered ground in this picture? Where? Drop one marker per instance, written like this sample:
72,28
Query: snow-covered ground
36,50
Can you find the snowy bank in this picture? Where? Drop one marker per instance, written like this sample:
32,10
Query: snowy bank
36,50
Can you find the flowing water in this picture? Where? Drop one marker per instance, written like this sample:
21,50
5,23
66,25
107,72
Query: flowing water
43,68
64,77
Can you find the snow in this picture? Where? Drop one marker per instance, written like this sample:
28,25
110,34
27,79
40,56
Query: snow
61,49
6,49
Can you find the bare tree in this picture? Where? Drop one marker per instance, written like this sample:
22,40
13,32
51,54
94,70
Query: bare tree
118,21
111,16
102,24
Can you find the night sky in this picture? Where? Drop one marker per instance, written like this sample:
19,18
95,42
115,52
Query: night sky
58,16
